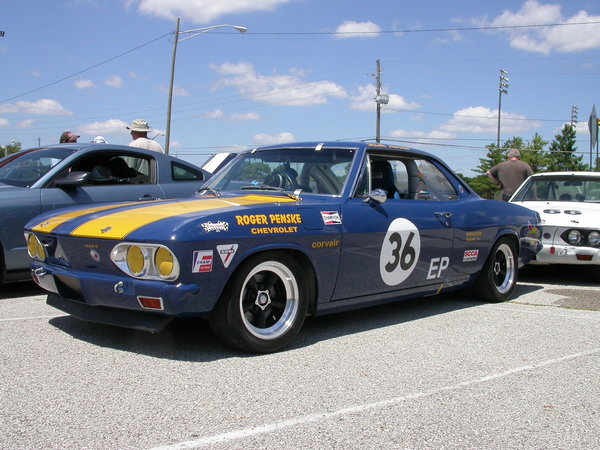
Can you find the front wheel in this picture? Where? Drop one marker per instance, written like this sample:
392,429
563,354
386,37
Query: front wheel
263,307
498,277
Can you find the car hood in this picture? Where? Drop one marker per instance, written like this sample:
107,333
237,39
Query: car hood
566,214
118,221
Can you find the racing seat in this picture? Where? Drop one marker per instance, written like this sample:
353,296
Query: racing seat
382,177
120,169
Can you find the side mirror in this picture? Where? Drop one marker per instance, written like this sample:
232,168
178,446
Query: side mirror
72,179
377,196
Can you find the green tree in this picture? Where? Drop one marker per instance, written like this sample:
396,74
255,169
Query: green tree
561,153
534,154
9,149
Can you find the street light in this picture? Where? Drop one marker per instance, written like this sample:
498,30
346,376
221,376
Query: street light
195,32
502,89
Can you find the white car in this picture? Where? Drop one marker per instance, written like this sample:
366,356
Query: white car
569,206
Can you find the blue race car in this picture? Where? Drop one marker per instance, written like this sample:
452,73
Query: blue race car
280,233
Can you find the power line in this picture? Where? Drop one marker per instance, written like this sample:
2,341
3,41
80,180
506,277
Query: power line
85,70
422,30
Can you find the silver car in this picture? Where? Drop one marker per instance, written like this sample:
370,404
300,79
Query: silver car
40,179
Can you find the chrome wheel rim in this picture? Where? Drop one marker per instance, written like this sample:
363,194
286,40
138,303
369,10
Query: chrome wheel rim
269,300
503,269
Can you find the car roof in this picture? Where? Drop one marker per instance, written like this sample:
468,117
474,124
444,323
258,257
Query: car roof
344,145
567,174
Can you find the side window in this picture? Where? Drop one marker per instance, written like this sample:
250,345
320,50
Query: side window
112,168
433,184
408,178
183,173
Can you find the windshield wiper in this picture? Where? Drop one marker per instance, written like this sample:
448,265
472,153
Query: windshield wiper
261,187
208,190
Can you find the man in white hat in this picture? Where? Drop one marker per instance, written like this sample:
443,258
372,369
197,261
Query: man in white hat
139,132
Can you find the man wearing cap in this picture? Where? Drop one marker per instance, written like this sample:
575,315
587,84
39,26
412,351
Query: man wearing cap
509,175
67,138
139,132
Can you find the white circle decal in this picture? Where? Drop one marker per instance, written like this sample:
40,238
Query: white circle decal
399,252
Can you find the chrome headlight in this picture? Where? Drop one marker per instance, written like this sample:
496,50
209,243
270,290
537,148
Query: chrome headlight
594,238
35,248
574,237
146,261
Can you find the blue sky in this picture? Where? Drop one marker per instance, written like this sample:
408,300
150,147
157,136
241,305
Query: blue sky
303,71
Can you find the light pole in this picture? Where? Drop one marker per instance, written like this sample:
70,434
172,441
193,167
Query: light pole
191,34
502,89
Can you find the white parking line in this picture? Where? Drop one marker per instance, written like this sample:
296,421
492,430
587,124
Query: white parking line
269,428
16,319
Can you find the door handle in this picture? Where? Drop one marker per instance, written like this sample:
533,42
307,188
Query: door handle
147,197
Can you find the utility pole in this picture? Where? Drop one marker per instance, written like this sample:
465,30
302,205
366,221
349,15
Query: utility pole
502,89
380,99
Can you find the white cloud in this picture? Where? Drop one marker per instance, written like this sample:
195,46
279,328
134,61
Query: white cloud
216,114
364,100
114,81
482,120
45,106
284,90
202,11
562,39
25,123
84,84
268,139
350,29
422,136
4,122
245,117
112,126
35,74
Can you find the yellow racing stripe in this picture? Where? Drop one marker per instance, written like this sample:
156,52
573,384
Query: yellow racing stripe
121,223
48,225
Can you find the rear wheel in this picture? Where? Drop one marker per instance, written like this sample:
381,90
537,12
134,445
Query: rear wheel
498,278
263,307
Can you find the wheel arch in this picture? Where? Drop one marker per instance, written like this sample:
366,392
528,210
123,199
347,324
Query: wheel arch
308,270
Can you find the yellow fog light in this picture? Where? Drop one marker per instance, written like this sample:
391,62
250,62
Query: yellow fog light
135,260
35,248
163,260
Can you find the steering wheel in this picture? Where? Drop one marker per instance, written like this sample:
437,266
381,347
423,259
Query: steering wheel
280,180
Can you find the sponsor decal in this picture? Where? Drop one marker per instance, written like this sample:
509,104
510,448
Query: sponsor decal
470,255
227,252
270,219
202,261
218,227
473,236
399,252
331,217
326,244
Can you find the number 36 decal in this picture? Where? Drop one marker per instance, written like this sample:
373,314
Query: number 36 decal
399,252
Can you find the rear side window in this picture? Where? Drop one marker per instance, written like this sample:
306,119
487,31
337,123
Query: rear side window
184,173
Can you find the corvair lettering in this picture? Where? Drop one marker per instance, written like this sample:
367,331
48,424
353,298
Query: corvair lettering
437,266
326,244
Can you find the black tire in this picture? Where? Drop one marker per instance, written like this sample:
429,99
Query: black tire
264,305
498,278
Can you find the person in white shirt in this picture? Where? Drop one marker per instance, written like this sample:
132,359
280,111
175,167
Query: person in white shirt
139,132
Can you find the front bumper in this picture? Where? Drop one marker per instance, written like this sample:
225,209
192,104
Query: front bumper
118,300
567,254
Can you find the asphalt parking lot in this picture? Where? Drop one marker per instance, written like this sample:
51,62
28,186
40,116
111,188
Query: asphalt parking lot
441,372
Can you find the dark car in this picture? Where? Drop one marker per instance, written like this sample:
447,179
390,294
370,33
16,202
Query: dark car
41,179
281,233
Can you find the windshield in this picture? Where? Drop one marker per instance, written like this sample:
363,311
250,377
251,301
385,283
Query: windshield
25,169
316,171
565,189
